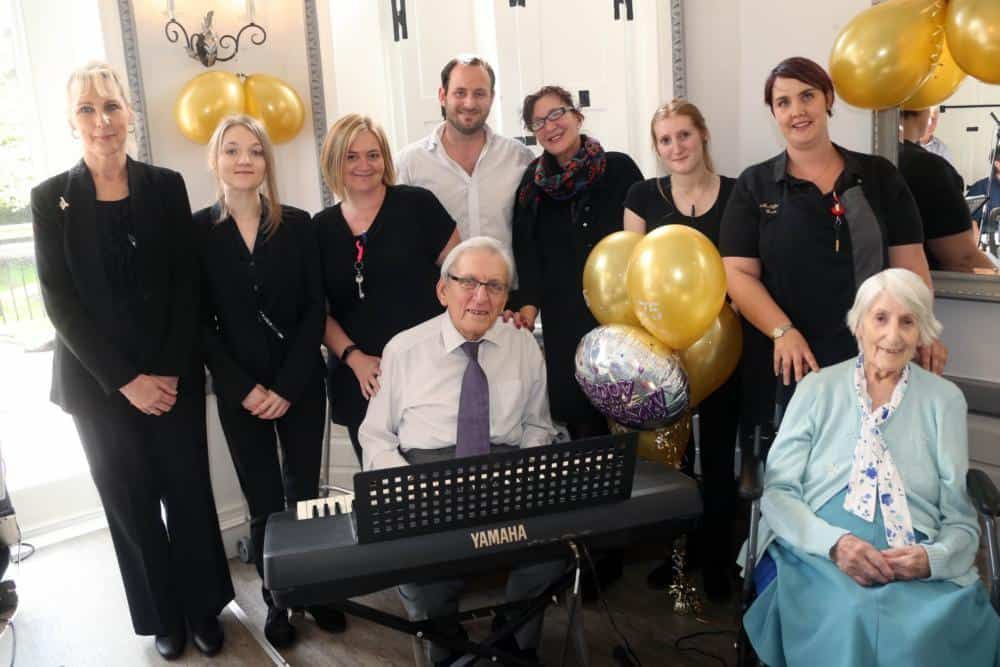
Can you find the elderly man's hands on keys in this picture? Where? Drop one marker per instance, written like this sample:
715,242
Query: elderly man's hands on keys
933,357
861,561
523,318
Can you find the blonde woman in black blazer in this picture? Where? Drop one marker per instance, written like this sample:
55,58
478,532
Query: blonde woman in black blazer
116,260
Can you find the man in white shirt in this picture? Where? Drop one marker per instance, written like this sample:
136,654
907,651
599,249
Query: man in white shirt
931,143
463,377
470,169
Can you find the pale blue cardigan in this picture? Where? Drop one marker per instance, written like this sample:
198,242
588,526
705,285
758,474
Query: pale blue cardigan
810,462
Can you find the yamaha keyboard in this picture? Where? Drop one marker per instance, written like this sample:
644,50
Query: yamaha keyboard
465,516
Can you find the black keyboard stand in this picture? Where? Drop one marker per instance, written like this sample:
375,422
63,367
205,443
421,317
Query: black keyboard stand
485,649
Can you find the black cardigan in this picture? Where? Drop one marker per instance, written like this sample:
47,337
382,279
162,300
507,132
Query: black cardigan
87,366
279,281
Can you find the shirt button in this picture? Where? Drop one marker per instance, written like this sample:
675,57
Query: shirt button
585,224
256,288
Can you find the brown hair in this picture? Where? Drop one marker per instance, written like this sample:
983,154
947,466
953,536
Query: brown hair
339,139
680,107
800,69
564,96
272,218
467,59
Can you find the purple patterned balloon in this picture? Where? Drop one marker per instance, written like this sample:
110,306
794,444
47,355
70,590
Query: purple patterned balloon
631,377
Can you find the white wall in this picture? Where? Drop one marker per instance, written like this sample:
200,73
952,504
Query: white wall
166,68
731,47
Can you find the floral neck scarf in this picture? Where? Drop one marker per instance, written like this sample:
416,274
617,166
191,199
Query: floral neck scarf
874,476
585,168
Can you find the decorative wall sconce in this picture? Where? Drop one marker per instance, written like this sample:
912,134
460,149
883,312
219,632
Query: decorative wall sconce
205,46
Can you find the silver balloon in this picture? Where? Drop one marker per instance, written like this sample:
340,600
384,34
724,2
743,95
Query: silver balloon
631,377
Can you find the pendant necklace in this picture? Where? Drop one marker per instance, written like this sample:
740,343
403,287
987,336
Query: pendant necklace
359,263
838,221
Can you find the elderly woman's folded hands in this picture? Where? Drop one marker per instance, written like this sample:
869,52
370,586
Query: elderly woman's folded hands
868,566
861,561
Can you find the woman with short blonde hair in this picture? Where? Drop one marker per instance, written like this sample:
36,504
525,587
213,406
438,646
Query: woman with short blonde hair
381,245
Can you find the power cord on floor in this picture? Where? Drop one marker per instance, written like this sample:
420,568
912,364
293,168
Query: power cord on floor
698,651
623,653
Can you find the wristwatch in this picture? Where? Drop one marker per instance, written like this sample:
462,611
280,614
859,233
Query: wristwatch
778,332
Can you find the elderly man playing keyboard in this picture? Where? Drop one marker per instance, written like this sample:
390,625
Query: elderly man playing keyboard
463,384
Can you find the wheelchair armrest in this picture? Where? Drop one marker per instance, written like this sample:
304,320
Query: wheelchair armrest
983,492
751,477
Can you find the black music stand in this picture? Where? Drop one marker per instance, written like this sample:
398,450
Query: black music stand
484,491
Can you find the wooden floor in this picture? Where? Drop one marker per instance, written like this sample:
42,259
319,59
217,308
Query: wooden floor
72,612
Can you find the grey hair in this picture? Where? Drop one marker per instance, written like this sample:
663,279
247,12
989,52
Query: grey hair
907,288
487,243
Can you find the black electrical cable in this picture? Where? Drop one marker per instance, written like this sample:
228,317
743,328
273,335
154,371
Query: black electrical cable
623,654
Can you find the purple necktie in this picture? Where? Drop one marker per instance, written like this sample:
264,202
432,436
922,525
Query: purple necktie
473,436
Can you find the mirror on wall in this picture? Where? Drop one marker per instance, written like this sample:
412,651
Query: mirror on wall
967,127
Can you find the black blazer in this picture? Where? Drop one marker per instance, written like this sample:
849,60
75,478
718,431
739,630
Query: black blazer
251,298
87,367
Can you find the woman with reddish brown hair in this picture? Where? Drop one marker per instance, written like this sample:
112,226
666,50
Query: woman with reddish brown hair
802,231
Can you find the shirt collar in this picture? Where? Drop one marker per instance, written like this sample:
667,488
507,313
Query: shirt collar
852,168
434,138
453,340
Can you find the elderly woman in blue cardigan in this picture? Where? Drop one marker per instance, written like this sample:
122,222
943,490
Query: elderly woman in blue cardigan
868,538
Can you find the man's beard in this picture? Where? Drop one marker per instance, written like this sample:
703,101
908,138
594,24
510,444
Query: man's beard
455,122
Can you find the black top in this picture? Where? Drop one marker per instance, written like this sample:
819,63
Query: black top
651,200
551,245
938,191
787,223
263,312
88,367
118,250
400,272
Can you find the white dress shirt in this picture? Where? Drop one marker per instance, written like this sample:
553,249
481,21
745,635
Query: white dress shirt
417,404
482,204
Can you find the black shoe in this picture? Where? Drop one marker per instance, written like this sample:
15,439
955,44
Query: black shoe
171,645
661,576
328,618
207,636
278,629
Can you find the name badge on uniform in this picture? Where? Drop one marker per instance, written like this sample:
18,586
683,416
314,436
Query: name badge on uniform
770,210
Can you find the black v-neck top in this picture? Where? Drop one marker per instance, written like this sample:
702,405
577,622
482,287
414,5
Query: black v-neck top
651,200
400,273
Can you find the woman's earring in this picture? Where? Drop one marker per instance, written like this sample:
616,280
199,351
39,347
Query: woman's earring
73,133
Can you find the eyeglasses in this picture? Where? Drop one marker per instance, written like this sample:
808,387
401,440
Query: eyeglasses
551,116
493,287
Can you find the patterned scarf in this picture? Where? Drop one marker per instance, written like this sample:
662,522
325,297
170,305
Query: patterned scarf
586,167
874,475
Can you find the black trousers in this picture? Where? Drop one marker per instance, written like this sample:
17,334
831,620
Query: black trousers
137,462
718,420
253,443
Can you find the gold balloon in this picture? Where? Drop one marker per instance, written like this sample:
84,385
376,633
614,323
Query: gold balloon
604,279
676,284
973,34
665,445
883,55
276,104
714,356
204,101
944,80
